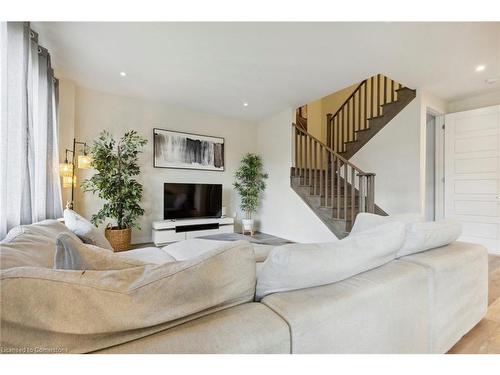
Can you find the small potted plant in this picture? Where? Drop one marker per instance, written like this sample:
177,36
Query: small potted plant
250,183
116,165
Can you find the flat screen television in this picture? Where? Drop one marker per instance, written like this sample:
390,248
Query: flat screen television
186,201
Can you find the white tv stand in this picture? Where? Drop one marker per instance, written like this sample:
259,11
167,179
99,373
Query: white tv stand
167,231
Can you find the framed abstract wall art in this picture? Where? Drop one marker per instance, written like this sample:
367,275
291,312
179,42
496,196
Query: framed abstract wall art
172,149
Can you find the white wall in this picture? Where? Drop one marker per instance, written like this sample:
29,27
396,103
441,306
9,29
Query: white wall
283,213
96,111
475,101
394,155
397,155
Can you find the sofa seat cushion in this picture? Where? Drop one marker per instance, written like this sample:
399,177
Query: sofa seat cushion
251,328
32,245
151,255
194,247
458,275
380,311
87,310
189,249
297,266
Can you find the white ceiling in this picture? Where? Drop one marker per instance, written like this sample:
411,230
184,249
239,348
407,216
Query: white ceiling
215,67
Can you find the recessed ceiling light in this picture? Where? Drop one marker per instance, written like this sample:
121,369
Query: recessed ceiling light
480,68
123,74
245,104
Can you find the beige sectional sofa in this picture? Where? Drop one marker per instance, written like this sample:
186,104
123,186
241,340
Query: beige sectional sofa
422,303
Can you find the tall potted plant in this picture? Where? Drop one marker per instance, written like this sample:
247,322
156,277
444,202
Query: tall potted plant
250,183
116,165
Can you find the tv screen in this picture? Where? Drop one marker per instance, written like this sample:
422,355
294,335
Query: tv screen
184,201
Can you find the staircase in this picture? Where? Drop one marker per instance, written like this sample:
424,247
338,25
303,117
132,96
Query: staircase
334,188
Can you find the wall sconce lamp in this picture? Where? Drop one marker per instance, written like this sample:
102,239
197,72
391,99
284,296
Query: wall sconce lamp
67,169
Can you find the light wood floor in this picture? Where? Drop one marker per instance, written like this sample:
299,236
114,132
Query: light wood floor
484,338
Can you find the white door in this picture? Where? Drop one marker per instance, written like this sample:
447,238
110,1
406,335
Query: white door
472,174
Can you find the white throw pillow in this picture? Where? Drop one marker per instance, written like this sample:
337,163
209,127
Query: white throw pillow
366,221
429,235
298,266
420,235
85,230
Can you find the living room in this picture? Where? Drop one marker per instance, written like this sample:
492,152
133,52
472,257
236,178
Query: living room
235,187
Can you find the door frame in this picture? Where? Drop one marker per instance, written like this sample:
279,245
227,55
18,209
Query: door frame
439,173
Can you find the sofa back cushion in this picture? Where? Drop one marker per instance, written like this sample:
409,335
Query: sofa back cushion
87,310
72,254
32,245
297,266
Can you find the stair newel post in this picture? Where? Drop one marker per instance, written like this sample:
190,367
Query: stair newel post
358,124
303,161
296,152
349,122
328,162
305,158
329,131
385,90
353,193
310,160
365,116
346,192
341,138
372,94
299,140
370,192
315,167
362,192
392,90
320,170
337,172
335,160
378,94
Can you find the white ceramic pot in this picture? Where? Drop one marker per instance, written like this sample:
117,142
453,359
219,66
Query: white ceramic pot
247,225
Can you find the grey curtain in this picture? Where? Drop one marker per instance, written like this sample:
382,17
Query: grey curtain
29,174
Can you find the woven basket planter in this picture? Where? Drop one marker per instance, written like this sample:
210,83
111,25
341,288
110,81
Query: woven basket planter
118,238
